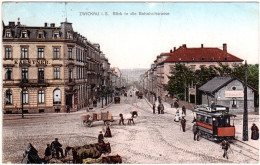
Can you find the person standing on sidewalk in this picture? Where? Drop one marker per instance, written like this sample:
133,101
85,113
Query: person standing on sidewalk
255,132
183,123
159,109
183,111
154,108
162,108
176,105
195,130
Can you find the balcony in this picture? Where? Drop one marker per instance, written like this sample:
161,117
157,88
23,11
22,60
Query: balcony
33,83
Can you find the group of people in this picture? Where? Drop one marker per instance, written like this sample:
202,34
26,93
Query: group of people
160,108
107,134
53,149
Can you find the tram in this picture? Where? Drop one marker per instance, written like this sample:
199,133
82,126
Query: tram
214,122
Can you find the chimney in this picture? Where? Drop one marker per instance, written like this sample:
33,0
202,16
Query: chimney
201,45
184,45
45,24
52,24
225,47
170,51
11,23
174,48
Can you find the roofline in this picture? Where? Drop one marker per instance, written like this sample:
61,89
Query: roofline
197,61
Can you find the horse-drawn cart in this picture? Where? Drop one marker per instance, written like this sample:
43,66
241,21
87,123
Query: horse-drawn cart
103,116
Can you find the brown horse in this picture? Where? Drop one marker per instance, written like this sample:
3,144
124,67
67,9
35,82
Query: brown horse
112,159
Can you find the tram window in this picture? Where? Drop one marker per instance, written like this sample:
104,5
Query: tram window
207,120
202,119
227,122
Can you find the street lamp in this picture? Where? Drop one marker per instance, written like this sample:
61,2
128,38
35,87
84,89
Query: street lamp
245,116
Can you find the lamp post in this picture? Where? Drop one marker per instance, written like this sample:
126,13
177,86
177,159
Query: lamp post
22,102
245,116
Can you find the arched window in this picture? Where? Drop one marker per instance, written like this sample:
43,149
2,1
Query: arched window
56,96
41,96
8,97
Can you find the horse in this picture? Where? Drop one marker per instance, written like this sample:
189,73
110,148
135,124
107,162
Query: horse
112,159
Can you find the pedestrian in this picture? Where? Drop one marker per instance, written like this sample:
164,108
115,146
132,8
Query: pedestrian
195,130
108,132
121,119
101,138
225,146
183,111
159,109
154,108
87,108
56,147
162,109
194,120
255,132
183,123
47,153
176,105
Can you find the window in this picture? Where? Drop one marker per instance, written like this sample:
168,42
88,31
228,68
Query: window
70,53
41,96
171,69
24,34
8,34
25,97
40,74
56,52
8,73
179,59
24,53
212,58
70,75
192,58
56,35
8,97
8,52
225,58
56,73
193,67
40,52
234,103
41,34
202,58
56,96
234,88
24,74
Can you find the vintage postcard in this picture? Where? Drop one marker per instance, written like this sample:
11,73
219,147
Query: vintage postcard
130,82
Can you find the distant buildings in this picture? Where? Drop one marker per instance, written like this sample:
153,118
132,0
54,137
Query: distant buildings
156,78
50,69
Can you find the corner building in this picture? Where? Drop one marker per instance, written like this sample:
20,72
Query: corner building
48,69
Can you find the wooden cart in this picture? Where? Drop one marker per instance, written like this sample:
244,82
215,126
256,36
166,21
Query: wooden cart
103,116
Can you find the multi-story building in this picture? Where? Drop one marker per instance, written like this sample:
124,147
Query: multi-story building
195,58
48,68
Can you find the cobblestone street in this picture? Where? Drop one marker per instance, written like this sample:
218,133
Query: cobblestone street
153,139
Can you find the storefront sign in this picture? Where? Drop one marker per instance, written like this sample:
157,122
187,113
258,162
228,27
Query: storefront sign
234,93
43,62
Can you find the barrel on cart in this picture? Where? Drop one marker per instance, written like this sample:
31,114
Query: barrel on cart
106,117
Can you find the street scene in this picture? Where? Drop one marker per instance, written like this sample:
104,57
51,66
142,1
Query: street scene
130,83
154,138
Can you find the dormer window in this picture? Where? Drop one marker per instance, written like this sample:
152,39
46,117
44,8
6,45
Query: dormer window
212,58
8,34
40,34
225,58
192,58
202,58
56,34
69,36
24,34
179,59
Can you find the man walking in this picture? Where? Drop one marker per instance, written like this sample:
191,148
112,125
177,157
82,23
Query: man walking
195,129
225,146
100,137
183,111
159,109
121,119
183,123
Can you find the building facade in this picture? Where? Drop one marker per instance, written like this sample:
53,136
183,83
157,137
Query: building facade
48,69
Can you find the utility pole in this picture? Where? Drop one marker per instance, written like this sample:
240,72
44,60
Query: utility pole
22,101
245,116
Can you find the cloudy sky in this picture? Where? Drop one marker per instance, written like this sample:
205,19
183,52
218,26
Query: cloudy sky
134,41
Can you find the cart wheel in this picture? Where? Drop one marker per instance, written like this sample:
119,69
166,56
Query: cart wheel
107,123
89,124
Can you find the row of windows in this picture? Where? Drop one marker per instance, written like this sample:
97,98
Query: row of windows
41,34
25,50
8,74
25,97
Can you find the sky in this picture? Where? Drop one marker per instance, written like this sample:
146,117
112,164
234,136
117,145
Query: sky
134,41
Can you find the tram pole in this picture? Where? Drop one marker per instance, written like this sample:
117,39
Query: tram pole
245,116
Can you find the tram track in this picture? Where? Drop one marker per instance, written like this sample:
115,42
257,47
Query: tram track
238,146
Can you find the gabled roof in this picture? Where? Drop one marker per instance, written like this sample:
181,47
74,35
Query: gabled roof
184,54
217,83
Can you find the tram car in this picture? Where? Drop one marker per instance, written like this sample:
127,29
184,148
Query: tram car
214,122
